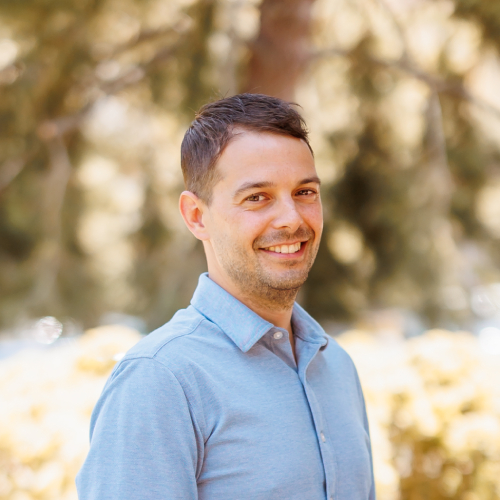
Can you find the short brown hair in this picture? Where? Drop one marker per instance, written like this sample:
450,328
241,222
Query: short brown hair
213,127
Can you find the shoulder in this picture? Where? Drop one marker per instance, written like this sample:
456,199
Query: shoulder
334,349
162,359
184,340
338,356
184,323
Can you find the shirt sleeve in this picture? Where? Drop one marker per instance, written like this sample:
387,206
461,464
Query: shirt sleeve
144,441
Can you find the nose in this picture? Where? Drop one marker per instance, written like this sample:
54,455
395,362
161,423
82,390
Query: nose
287,215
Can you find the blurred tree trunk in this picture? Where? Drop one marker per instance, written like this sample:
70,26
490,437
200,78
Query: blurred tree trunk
280,52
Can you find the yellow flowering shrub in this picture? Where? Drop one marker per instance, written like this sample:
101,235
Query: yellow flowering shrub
47,397
433,403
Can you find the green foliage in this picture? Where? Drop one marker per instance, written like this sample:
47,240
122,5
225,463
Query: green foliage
401,199
98,97
55,82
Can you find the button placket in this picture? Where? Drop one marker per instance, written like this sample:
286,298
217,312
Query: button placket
326,450
277,341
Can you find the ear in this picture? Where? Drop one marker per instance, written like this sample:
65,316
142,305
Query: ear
192,209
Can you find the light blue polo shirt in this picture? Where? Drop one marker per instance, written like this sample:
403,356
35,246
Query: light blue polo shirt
212,406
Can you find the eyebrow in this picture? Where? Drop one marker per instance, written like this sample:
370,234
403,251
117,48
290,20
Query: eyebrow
259,185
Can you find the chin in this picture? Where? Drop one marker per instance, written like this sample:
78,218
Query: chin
287,281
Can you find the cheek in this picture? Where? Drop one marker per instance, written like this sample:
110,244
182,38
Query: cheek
241,228
249,226
313,216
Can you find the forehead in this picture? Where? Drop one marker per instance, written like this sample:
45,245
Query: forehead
264,156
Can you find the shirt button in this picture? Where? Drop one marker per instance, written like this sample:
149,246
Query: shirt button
278,335
322,436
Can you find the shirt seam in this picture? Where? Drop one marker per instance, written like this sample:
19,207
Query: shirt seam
167,341
190,406
195,420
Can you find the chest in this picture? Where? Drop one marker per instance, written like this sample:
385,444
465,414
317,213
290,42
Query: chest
283,435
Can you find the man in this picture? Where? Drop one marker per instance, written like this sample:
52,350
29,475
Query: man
240,396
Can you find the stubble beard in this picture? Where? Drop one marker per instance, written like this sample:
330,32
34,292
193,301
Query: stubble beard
275,291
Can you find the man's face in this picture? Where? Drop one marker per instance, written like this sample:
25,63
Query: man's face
265,218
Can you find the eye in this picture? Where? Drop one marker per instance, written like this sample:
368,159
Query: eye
255,197
306,192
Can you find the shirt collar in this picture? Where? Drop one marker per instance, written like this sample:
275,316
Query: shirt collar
307,328
243,326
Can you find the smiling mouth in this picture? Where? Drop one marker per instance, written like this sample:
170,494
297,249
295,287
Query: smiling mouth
295,248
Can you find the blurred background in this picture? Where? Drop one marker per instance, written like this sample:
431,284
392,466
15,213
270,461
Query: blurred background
402,98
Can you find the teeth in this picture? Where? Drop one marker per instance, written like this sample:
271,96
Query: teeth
286,248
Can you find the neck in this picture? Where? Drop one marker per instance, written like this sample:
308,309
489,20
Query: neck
276,306
273,305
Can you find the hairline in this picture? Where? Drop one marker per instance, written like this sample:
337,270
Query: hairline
234,131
